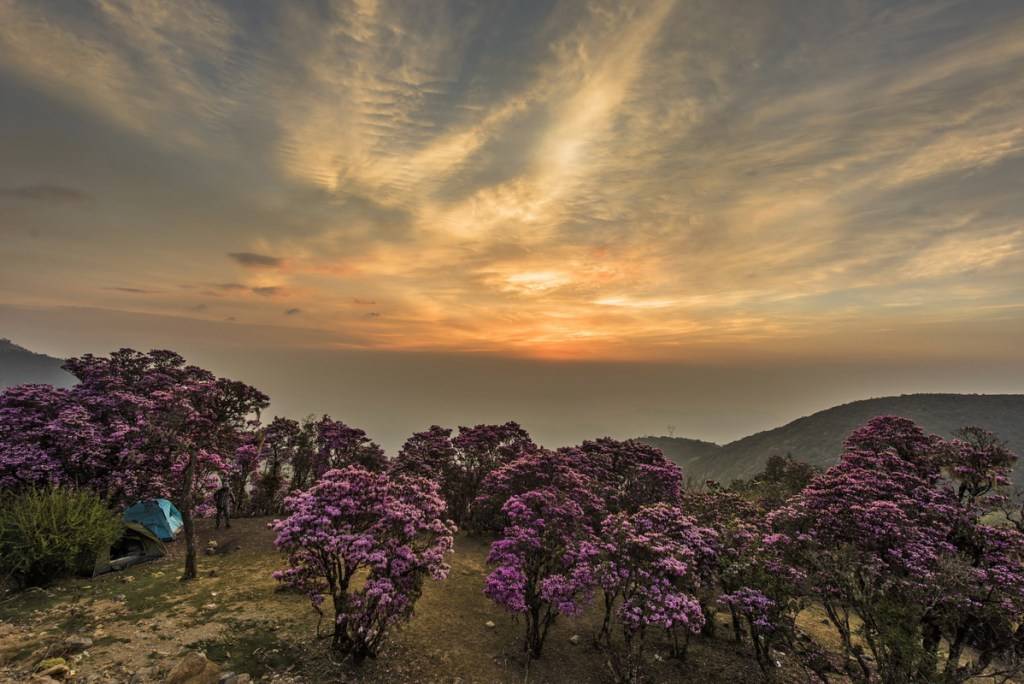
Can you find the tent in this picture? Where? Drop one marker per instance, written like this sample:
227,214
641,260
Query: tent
136,545
158,515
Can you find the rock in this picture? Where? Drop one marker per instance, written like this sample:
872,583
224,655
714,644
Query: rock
194,668
232,678
574,639
77,644
60,672
490,624
209,606
212,544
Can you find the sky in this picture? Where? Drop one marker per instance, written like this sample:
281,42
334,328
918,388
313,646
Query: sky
594,217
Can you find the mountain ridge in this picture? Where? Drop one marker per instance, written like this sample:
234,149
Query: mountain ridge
817,438
20,366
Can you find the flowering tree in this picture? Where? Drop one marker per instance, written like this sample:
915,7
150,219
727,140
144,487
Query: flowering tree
982,602
883,536
460,464
277,446
165,426
543,561
428,454
871,532
652,563
894,433
566,470
338,446
34,439
631,474
355,521
979,463
478,451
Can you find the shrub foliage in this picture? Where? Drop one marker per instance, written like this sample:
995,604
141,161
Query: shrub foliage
46,534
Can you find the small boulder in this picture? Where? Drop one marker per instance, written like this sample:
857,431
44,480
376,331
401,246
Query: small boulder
77,643
574,639
233,678
489,624
194,668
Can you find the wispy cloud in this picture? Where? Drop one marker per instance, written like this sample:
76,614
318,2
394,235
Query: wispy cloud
253,260
47,194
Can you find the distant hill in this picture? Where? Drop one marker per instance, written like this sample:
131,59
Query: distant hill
19,366
818,438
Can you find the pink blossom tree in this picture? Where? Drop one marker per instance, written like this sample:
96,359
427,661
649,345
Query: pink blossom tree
543,561
339,445
565,469
652,564
165,426
630,474
460,464
356,523
883,536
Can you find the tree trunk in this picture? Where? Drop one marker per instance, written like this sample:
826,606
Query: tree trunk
186,518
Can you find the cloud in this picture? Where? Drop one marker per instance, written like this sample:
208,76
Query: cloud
47,194
582,180
253,260
292,312
131,290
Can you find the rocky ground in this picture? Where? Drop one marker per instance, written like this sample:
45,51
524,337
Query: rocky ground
232,625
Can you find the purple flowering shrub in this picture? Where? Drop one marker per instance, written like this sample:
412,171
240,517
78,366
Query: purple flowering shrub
339,445
543,561
367,541
630,474
565,469
882,536
651,566
478,451
460,464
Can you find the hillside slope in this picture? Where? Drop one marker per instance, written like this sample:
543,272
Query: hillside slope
19,366
818,438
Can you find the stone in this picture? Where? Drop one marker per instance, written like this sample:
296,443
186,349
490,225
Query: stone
574,639
77,644
490,624
232,678
194,668
60,672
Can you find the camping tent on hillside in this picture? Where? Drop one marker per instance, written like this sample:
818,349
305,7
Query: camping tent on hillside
136,545
158,515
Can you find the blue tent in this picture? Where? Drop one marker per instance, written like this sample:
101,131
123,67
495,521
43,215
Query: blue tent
159,516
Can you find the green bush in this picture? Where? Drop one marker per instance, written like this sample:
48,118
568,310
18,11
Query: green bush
46,534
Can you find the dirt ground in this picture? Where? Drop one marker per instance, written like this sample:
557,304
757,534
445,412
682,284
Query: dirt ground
143,620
